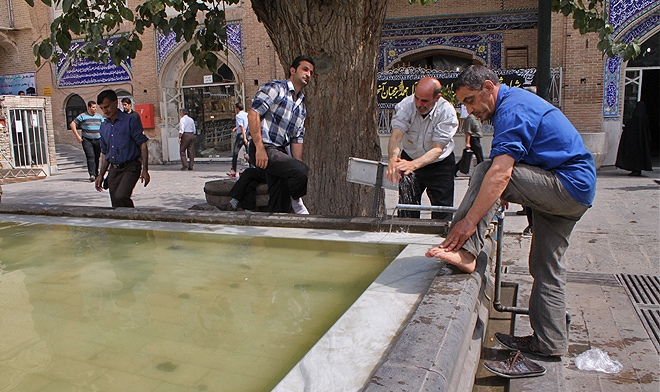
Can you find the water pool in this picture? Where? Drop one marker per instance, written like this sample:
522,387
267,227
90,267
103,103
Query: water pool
98,308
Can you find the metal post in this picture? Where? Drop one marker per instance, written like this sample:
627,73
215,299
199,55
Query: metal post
377,189
544,32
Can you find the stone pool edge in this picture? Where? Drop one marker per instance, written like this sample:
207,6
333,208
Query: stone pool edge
436,345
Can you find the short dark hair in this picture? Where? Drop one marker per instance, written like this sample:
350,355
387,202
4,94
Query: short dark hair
239,106
110,95
474,77
90,103
184,111
126,100
296,62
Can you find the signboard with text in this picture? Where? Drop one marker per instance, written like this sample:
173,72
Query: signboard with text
393,86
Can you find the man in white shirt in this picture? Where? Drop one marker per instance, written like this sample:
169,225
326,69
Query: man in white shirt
241,136
187,140
423,128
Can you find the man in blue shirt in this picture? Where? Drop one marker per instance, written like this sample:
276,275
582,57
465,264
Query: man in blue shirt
538,160
276,122
123,151
89,123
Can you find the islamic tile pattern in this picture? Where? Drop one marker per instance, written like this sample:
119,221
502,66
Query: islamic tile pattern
488,47
625,12
166,45
400,37
460,25
82,72
612,69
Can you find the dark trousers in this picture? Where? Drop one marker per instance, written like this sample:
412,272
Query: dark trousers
245,189
475,146
121,181
286,177
438,181
92,149
187,145
238,143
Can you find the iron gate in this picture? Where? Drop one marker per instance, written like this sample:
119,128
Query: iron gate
29,139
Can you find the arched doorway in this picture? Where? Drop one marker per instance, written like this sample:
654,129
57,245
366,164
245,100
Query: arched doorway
74,106
210,100
643,84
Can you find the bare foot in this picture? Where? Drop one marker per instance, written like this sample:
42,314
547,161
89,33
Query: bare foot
462,259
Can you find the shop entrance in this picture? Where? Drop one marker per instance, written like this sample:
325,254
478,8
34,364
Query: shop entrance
210,101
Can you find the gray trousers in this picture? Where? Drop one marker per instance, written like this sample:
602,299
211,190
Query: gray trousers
555,213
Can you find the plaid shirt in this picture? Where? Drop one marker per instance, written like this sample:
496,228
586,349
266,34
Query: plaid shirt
282,113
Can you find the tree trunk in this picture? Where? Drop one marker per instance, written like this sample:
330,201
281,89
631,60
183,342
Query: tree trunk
342,36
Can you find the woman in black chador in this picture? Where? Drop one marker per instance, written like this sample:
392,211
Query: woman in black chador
634,153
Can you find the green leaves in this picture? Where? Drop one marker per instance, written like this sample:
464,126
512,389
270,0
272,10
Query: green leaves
97,23
592,18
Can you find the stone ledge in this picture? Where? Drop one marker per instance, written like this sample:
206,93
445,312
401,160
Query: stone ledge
239,218
436,350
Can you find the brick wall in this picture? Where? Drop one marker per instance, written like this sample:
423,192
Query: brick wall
583,81
261,62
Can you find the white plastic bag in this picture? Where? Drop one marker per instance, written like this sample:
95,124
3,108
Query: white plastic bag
598,360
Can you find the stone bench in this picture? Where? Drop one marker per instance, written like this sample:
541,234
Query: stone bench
217,193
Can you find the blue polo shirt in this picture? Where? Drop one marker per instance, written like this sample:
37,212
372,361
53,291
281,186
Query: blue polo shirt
534,132
121,140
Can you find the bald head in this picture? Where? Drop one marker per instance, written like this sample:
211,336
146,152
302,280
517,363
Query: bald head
427,93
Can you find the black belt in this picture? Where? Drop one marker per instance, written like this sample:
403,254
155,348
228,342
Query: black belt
121,165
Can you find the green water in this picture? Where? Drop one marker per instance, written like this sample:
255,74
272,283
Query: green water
99,309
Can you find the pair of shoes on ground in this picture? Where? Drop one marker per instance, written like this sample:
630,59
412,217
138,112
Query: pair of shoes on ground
184,168
517,366
92,178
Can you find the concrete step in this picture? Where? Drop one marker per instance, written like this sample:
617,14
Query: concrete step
70,157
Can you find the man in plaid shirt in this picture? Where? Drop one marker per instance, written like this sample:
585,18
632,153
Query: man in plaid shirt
278,110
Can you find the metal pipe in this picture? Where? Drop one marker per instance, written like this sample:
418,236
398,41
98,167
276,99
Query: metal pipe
377,189
417,207
497,305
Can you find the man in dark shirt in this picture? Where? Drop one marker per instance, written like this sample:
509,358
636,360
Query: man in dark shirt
127,104
123,151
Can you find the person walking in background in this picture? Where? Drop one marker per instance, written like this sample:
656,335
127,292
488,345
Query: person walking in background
473,135
187,132
128,109
539,161
89,123
423,127
276,121
241,132
124,152
634,153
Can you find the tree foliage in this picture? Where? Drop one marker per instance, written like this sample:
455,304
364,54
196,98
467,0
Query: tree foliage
110,30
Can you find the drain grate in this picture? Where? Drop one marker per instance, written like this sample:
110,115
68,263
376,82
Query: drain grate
644,292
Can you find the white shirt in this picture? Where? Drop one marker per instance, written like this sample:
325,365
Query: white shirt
419,133
241,119
186,125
